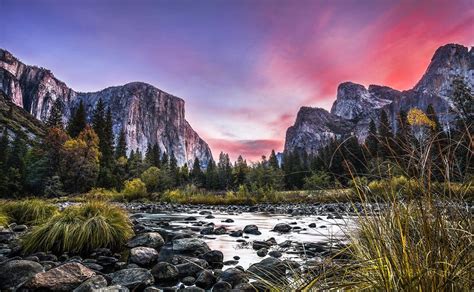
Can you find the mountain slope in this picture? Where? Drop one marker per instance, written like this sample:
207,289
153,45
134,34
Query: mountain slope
147,114
356,105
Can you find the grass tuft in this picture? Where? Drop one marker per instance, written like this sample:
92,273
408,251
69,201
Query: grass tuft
3,220
81,229
29,211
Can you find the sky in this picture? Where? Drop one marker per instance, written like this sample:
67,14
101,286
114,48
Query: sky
243,67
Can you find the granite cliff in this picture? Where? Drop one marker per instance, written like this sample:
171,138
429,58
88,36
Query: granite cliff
148,115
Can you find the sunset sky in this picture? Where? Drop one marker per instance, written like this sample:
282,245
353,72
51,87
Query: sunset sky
244,68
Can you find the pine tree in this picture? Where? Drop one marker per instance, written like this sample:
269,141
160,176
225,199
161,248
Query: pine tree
385,136
121,147
164,160
273,160
156,157
197,176
224,170
55,118
212,179
173,170
107,145
440,141
463,99
371,141
78,121
240,171
98,118
4,149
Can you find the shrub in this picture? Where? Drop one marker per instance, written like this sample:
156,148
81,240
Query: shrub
317,181
134,189
151,178
81,229
29,211
101,194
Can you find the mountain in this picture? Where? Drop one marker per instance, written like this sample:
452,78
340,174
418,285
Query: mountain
148,115
356,105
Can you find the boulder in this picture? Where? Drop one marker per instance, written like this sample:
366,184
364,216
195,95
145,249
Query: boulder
192,268
135,278
268,269
62,278
282,228
214,257
143,256
233,276
205,279
190,245
164,272
149,239
252,229
92,284
262,252
222,286
15,272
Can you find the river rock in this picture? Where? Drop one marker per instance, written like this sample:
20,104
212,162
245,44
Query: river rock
275,254
262,252
282,228
63,278
252,229
214,257
149,239
257,244
188,281
16,272
207,231
190,245
191,268
132,278
237,233
245,287
92,284
222,286
205,279
268,269
165,272
233,276
143,256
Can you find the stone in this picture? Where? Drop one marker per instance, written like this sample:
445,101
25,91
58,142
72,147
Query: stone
15,272
269,269
165,272
213,257
312,225
143,256
92,284
257,244
282,228
207,231
220,230
237,233
148,239
233,276
205,279
244,287
20,228
188,281
191,268
190,245
62,278
132,278
275,254
262,252
252,229
222,286
114,288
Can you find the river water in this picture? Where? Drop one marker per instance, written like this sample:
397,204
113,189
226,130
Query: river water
326,231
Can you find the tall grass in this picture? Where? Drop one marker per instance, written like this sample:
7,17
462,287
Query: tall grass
29,211
80,229
3,219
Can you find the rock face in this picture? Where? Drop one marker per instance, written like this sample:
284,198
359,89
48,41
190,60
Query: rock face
147,114
356,105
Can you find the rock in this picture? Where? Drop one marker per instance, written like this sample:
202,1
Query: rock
213,257
231,263
244,287
205,279
20,228
191,218
132,278
275,254
269,269
192,289
149,239
236,258
143,256
62,278
282,228
209,217
15,272
92,284
233,276
237,233
228,220
252,229
207,231
262,252
188,281
190,245
222,286
165,272
312,225
257,244
114,288
220,230
191,268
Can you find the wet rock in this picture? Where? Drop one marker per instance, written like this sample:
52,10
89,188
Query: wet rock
114,288
268,269
257,244
237,233
244,287
143,256
165,272
190,245
20,228
207,231
236,258
230,263
262,252
132,278
214,257
16,272
191,218
312,225
149,239
62,278
222,286
188,281
233,276
252,229
192,268
205,279
209,217
192,289
94,266
275,254
228,220
220,230
92,284
282,228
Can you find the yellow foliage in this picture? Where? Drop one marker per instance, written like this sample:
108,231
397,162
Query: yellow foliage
417,117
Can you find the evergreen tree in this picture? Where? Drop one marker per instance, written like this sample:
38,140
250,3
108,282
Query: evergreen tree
438,149
197,176
463,99
240,171
107,142
4,143
212,178
78,121
273,160
121,145
98,118
55,118
224,170
385,136
164,160
184,174
173,170
371,141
